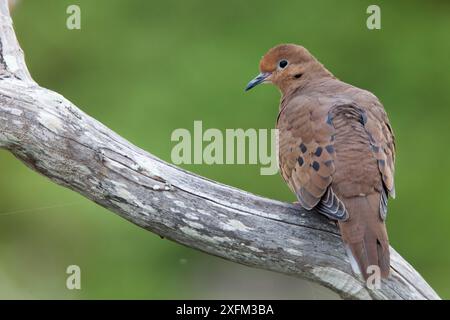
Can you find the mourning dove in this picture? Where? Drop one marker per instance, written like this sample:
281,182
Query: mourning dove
336,151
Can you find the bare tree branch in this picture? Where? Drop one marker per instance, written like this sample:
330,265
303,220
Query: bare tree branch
53,137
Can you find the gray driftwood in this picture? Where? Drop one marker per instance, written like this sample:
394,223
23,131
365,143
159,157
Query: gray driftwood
52,136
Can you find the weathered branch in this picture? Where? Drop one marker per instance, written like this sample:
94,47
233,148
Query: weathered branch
52,136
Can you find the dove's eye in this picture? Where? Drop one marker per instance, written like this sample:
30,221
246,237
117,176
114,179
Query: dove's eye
283,63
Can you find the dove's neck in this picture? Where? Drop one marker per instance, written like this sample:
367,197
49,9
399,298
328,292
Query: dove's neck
314,76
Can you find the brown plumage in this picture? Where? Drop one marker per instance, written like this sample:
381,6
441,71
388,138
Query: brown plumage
336,150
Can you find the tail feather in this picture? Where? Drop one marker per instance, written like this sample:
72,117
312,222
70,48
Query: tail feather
365,235
353,263
384,260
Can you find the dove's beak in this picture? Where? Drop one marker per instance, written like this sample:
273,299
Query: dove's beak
260,78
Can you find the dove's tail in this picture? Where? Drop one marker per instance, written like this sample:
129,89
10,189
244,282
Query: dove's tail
365,236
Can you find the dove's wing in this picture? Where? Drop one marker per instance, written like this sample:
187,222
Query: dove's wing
382,142
307,154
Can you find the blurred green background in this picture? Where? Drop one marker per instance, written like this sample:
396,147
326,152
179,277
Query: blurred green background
145,68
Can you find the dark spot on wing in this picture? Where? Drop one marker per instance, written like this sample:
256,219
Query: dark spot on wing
316,165
328,163
303,147
318,151
330,119
329,148
363,118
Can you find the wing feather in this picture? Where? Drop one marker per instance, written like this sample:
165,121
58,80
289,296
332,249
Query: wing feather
307,157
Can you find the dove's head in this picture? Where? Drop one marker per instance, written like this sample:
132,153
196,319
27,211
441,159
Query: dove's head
288,66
